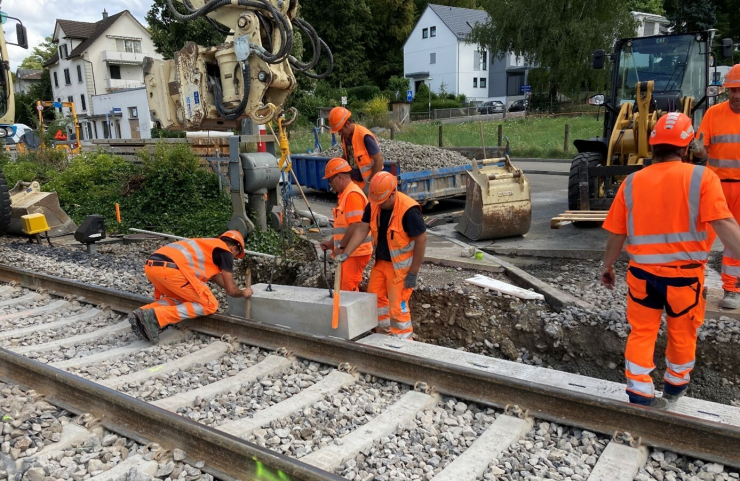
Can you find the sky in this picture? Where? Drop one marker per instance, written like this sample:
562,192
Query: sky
39,18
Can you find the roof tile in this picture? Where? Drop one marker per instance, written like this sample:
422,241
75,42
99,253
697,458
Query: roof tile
460,20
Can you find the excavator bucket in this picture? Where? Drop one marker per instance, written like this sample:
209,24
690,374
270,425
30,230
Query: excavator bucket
498,202
27,198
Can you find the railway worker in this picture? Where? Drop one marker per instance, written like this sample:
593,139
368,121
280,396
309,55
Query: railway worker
351,203
664,212
179,272
399,238
719,141
360,147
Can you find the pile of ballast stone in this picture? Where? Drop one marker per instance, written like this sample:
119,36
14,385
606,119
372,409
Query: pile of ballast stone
411,157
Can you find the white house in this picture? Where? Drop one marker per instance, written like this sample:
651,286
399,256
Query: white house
122,115
98,58
25,78
650,24
438,53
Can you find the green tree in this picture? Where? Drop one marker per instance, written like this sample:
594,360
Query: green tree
392,23
40,54
646,6
691,16
25,104
170,35
567,33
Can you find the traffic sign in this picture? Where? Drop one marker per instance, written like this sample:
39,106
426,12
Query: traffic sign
57,105
39,108
525,88
409,96
116,110
344,100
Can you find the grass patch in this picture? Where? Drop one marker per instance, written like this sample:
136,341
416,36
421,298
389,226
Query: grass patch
538,137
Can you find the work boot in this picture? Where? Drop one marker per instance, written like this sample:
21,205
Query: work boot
731,300
672,398
134,319
659,403
150,325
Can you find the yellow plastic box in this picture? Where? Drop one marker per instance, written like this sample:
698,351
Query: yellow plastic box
34,223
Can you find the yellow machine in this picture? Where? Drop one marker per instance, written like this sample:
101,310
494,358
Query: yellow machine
72,147
651,76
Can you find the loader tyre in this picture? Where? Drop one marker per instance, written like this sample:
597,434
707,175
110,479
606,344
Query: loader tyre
574,193
4,204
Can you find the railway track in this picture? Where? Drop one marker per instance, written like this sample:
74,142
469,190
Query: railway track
231,398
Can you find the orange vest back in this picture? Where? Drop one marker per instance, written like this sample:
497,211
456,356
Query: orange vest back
722,135
341,224
194,257
663,225
361,157
400,245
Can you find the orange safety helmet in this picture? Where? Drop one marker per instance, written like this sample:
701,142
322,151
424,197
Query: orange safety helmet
335,166
732,79
674,128
235,235
337,118
382,185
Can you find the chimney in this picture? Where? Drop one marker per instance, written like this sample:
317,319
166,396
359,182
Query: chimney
105,15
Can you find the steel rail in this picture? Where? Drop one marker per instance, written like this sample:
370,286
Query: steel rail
707,440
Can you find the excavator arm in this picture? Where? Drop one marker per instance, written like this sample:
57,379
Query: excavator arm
250,75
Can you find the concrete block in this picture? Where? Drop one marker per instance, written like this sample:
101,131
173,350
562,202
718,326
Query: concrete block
306,309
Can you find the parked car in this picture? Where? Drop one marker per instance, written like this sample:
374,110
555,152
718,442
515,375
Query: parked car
519,105
491,107
20,130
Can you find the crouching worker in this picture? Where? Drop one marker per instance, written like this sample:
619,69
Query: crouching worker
180,272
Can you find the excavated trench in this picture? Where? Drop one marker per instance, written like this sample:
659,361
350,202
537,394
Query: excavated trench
451,313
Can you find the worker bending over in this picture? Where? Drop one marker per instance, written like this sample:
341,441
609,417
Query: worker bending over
351,203
719,140
360,147
179,272
664,212
399,237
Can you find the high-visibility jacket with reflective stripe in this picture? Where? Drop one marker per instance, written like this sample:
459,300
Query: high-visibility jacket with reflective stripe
362,158
341,224
676,239
400,245
721,128
194,257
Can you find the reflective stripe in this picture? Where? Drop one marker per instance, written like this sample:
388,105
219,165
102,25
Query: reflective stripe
199,269
354,213
675,380
636,369
731,270
368,240
680,367
645,388
727,253
401,326
397,252
404,335
725,139
182,310
340,230
628,204
384,323
665,258
384,311
724,163
403,264
168,302
366,168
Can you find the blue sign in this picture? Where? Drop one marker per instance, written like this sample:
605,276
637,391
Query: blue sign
197,97
409,96
525,88
116,110
57,105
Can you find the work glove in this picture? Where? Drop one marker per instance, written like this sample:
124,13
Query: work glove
410,281
697,146
341,258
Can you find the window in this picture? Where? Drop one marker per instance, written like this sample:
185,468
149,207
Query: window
484,60
63,52
132,46
70,99
79,73
56,80
67,79
482,82
475,82
83,105
425,33
106,130
115,72
514,83
133,112
432,58
649,29
476,61
433,32
59,100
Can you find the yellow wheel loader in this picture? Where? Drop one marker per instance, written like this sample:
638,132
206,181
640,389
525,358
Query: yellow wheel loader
650,77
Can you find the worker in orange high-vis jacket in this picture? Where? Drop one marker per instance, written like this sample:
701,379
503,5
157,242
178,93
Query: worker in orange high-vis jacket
361,149
399,237
347,216
664,212
179,272
719,142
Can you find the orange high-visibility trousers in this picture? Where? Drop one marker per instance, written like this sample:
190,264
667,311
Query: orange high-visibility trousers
394,316
731,260
651,290
352,270
176,298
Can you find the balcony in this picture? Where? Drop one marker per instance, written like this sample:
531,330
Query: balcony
123,58
120,84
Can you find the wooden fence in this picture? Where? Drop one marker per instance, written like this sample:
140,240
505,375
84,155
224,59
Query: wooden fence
129,148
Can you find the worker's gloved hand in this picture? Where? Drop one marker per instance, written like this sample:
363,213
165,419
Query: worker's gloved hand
410,281
697,146
341,258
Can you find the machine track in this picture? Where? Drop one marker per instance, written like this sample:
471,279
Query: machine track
232,398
